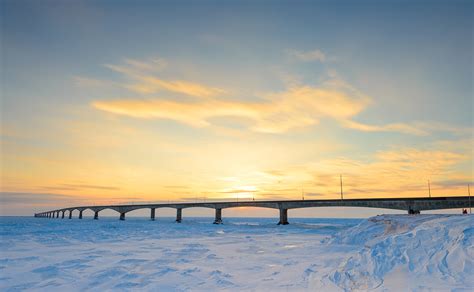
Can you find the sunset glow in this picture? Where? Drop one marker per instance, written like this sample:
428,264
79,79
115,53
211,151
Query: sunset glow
103,103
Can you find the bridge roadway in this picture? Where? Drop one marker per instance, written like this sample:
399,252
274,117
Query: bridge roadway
411,205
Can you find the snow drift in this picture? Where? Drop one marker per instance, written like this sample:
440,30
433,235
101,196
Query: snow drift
410,252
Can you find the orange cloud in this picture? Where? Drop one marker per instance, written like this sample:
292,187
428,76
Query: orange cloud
401,172
148,84
141,80
275,113
396,127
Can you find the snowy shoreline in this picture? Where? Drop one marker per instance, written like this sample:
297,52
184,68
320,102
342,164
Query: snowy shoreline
388,252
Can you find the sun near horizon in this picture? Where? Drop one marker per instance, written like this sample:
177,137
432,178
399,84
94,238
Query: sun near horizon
113,103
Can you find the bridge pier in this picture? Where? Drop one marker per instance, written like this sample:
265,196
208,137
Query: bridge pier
80,214
62,216
96,215
179,213
122,216
70,214
218,219
152,214
57,214
413,211
283,217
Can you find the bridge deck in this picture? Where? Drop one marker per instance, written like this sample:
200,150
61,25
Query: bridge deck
412,205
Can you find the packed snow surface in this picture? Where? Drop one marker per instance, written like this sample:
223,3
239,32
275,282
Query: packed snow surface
383,253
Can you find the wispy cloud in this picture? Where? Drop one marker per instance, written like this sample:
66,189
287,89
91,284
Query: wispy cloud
300,105
86,186
35,198
89,82
278,112
151,65
272,113
394,172
396,127
308,56
140,79
148,84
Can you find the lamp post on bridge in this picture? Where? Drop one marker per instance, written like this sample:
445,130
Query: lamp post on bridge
429,189
469,192
342,193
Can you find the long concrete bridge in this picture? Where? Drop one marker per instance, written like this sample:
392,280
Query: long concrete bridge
411,205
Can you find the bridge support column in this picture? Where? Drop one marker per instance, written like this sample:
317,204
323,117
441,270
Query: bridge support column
218,219
96,215
152,214
283,217
62,216
57,214
179,213
122,216
413,211
80,214
70,214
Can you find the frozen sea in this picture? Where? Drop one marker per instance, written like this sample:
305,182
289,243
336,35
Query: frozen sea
382,253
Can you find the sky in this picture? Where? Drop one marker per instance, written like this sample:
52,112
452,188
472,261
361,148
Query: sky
109,102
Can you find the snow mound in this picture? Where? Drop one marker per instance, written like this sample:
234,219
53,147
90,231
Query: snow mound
408,252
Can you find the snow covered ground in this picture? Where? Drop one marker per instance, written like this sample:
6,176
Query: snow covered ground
383,253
